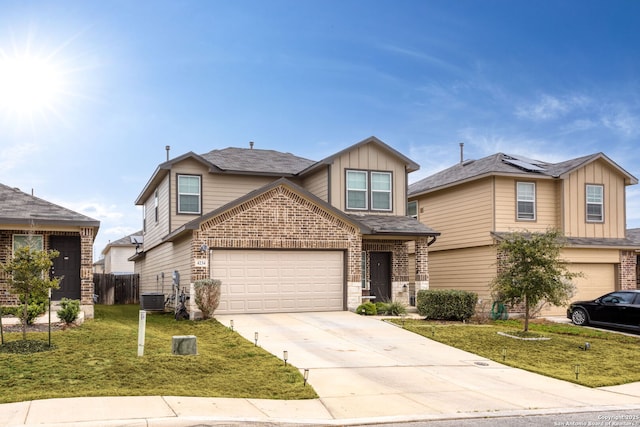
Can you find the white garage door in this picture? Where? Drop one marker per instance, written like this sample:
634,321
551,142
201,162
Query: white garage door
597,280
258,281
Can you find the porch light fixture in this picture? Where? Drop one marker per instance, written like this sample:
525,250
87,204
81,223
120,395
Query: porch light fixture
204,248
404,288
231,324
255,337
285,356
306,376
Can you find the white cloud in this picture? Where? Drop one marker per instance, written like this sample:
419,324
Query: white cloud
550,107
621,121
13,157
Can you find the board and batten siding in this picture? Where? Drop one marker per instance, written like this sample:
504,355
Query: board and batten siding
464,215
546,207
470,269
371,158
574,200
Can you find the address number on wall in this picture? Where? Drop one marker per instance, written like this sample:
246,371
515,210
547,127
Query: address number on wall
202,263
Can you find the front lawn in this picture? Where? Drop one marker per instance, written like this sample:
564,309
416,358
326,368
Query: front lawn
611,360
99,358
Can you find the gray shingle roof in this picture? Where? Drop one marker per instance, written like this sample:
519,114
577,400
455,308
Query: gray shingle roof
257,161
633,234
391,224
502,164
590,242
17,207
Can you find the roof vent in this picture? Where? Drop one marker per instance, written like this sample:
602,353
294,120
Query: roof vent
251,145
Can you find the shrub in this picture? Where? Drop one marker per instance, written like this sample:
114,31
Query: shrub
69,310
446,304
37,307
396,308
368,309
207,296
382,307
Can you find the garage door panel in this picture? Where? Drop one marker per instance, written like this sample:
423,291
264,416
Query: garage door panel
279,281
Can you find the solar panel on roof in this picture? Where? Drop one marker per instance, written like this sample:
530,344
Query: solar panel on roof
525,159
524,165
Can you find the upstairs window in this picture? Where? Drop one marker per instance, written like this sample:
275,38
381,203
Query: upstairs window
155,205
595,203
368,190
380,191
526,201
188,194
412,209
357,190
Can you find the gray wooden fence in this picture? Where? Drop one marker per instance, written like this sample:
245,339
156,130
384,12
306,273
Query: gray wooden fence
116,288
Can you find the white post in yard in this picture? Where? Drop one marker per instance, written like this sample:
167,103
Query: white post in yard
142,324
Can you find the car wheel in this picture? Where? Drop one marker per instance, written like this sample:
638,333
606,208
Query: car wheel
579,317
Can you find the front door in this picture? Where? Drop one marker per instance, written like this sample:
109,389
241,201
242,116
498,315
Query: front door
380,273
67,266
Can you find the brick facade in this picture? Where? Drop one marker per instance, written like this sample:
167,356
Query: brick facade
627,271
282,219
86,264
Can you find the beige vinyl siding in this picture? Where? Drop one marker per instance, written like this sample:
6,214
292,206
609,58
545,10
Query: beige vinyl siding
217,189
546,207
463,215
370,158
470,269
117,261
318,184
595,256
165,258
574,190
155,231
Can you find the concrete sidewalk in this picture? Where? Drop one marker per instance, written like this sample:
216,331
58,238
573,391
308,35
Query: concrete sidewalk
363,369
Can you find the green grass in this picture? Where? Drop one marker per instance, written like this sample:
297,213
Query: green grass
99,358
612,360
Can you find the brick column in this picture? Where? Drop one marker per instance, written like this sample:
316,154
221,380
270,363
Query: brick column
422,264
627,271
86,271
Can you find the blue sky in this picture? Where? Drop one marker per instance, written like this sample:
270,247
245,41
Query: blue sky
550,80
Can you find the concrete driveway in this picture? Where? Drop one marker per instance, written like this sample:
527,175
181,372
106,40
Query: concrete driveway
363,367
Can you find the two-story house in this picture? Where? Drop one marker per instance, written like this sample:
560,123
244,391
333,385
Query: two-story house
283,233
474,202
116,254
29,220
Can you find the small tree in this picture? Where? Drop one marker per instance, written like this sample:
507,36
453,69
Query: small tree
530,271
29,277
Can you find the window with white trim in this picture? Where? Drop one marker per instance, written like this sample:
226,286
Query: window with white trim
526,201
155,205
357,190
595,203
380,191
369,190
189,194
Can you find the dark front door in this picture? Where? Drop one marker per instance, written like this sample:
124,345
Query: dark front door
67,265
380,273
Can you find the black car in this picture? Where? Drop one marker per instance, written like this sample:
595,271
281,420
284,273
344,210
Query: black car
620,309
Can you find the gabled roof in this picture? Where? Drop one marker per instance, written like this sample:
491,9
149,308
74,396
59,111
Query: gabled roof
508,165
17,207
410,165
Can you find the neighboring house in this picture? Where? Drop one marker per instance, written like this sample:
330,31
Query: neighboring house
25,219
98,266
475,202
281,232
116,254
